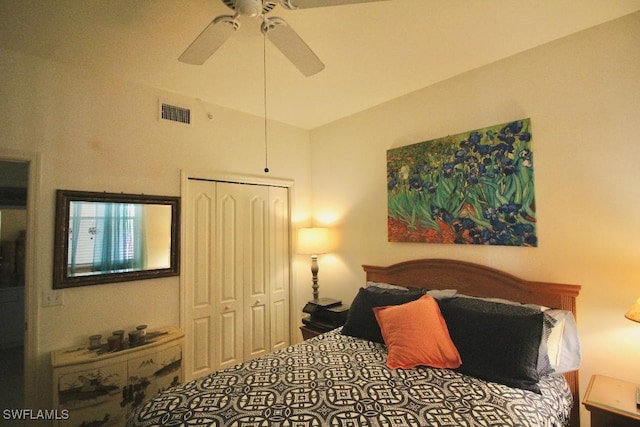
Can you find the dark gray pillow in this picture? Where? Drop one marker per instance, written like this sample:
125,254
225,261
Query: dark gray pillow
361,321
549,322
497,342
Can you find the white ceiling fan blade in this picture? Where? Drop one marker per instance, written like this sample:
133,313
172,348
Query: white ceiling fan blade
210,40
292,46
306,4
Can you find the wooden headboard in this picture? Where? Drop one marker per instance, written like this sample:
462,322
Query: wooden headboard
482,281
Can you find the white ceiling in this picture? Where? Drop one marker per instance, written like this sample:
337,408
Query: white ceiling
373,52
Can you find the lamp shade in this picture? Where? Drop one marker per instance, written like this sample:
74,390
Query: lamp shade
313,241
634,312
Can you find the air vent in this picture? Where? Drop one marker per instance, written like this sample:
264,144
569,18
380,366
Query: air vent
175,114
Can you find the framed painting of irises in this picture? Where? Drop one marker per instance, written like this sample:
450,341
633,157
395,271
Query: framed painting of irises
475,188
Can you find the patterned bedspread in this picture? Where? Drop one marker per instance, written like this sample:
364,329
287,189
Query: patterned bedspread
339,381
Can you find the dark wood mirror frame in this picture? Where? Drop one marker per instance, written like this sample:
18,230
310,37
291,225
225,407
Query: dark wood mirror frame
61,276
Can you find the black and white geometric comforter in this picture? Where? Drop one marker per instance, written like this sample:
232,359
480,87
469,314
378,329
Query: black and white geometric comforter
340,381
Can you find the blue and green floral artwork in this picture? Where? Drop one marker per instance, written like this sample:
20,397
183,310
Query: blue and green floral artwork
472,188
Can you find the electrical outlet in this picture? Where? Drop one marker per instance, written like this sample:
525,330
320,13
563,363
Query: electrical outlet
52,298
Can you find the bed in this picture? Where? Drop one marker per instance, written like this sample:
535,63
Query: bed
338,379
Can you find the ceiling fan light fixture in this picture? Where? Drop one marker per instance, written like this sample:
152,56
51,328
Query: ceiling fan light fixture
249,7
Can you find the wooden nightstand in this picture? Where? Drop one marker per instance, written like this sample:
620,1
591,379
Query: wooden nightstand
325,314
309,332
612,402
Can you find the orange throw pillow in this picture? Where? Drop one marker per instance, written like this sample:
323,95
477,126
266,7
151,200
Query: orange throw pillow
416,334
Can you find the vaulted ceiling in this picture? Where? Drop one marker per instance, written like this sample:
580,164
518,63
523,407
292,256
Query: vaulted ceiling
373,52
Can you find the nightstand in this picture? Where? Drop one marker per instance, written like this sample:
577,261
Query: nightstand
309,332
612,402
325,314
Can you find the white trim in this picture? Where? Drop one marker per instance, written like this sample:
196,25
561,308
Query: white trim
30,288
184,179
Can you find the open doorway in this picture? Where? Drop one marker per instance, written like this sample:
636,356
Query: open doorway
14,179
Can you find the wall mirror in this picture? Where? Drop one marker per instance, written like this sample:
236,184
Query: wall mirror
114,237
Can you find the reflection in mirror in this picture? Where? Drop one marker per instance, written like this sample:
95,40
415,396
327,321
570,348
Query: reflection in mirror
102,237
118,237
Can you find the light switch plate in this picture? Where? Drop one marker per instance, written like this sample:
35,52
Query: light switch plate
52,298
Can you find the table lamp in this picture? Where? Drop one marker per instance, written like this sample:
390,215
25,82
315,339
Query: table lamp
634,312
313,241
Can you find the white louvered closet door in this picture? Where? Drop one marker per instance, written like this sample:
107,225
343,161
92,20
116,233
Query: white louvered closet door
237,273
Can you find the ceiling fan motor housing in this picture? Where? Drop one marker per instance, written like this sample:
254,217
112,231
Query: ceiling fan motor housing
251,8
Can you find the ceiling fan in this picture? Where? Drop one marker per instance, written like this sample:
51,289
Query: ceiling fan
275,29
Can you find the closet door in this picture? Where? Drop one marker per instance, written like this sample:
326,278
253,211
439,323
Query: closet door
214,296
237,271
267,273
229,278
256,272
279,267
199,305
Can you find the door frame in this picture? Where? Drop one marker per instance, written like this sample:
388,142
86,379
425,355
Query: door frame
30,378
185,175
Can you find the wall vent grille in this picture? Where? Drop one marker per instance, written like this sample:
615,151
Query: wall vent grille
175,114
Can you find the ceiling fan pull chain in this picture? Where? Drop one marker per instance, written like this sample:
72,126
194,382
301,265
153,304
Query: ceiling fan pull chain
264,68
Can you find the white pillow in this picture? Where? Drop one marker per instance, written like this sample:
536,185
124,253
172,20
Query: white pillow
436,293
563,344
442,293
382,285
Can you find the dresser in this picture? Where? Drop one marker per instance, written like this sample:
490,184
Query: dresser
101,387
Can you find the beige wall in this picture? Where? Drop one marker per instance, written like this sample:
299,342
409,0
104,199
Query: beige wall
98,133
582,94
